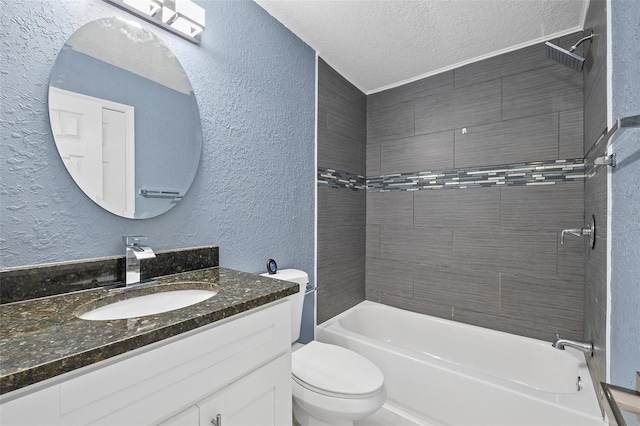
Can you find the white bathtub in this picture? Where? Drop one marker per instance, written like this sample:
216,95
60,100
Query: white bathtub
446,373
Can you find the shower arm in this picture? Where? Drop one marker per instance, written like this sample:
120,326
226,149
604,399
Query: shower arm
582,40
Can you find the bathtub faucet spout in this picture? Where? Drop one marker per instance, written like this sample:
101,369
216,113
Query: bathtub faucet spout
586,347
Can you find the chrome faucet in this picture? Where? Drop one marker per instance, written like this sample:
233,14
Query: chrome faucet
560,343
134,254
589,231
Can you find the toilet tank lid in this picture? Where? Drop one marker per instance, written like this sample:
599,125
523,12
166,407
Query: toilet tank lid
295,275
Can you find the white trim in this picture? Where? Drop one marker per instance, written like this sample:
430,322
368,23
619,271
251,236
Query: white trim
478,59
609,194
315,191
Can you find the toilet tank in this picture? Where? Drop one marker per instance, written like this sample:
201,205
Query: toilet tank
297,300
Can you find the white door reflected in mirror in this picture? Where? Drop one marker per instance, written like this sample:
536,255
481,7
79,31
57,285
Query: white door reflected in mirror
95,139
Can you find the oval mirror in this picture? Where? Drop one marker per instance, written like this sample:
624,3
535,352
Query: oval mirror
124,118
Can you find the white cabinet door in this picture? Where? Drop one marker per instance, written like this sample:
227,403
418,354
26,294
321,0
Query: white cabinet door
189,417
261,398
36,409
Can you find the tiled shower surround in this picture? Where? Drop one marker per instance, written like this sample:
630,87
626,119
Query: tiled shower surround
507,134
490,254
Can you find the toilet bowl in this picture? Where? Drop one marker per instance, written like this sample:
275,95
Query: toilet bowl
331,385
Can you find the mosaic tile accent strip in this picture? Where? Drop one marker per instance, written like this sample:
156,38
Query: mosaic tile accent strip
519,174
338,179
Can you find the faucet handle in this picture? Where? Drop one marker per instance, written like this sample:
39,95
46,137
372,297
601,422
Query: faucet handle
573,231
133,240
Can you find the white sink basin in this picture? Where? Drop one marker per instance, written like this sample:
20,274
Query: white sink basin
149,304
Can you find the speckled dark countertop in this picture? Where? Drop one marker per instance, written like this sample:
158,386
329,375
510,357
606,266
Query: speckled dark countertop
42,338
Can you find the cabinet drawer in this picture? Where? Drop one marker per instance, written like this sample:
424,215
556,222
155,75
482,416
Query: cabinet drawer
148,387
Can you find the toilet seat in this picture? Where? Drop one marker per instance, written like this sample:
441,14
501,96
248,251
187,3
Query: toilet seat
335,371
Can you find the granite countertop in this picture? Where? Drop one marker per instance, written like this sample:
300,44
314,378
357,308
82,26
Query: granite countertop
43,338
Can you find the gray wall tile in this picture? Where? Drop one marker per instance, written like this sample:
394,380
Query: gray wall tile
372,295
331,79
347,116
551,302
475,290
467,106
595,330
322,209
510,63
374,102
595,259
342,288
341,122
571,256
571,134
458,208
513,141
390,208
545,207
595,74
595,262
541,91
516,251
373,241
390,277
417,153
338,152
341,242
438,83
393,122
425,245
419,306
346,207
373,159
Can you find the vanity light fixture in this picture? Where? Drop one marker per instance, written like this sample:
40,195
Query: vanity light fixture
181,17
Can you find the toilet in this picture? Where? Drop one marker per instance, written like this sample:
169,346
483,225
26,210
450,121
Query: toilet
331,385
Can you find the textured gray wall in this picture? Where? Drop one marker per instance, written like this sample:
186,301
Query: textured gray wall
254,192
485,256
341,211
595,188
625,187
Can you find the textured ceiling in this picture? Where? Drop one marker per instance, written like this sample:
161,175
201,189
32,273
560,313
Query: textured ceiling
377,44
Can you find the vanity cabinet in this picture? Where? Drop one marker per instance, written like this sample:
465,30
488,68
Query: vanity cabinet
239,368
256,399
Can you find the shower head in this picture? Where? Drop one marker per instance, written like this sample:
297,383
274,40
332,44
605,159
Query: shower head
565,57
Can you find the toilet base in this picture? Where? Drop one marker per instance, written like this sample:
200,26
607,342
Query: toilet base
305,419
